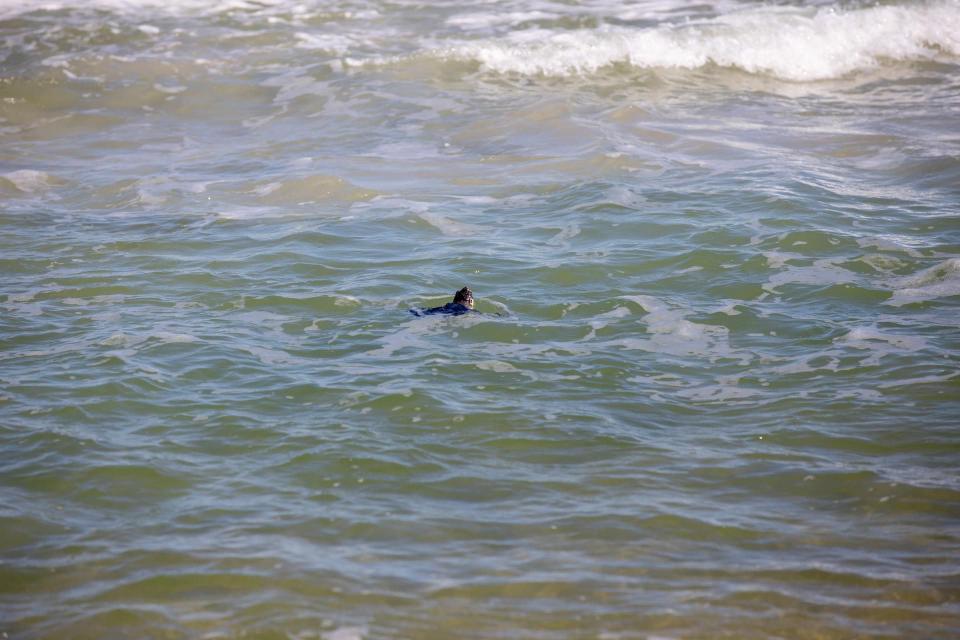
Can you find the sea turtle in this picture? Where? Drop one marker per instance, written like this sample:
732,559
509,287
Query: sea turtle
462,303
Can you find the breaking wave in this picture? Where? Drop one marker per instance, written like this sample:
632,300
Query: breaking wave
789,43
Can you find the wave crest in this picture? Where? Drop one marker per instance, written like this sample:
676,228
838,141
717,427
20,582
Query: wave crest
789,43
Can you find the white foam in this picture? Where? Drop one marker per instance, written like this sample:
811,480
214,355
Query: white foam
169,337
821,272
122,340
336,43
413,335
251,213
497,366
272,356
477,200
600,321
346,633
344,300
672,333
779,259
449,226
568,232
887,242
873,338
624,197
30,180
907,382
149,198
730,308
267,189
939,281
883,262
169,89
791,43
390,206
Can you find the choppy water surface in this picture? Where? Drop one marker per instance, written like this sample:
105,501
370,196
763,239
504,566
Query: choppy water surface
720,399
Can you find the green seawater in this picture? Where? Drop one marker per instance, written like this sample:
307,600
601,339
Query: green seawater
714,391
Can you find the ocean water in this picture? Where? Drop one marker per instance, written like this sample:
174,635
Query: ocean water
714,391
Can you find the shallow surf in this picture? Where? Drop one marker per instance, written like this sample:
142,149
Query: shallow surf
713,391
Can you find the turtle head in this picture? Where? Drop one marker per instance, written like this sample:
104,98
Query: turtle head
464,297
